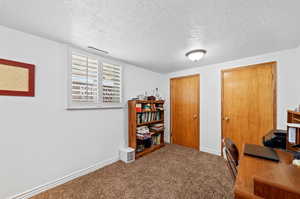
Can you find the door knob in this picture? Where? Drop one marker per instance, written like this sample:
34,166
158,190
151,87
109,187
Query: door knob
195,116
226,118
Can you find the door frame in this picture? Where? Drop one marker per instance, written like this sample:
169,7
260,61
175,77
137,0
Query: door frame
274,73
198,108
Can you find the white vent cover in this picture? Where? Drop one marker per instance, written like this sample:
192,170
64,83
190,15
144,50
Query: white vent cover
127,155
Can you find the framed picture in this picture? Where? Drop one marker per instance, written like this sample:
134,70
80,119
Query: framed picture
16,78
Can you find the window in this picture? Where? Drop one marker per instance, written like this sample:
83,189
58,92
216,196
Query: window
93,83
111,84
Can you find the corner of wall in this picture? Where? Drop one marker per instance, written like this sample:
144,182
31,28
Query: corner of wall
210,150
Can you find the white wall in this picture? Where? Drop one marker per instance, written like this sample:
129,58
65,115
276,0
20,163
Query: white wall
40,140
288,69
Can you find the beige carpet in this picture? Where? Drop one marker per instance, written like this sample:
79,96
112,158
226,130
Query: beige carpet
173,172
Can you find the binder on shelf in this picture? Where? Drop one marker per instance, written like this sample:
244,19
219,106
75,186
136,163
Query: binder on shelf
293,130
292,135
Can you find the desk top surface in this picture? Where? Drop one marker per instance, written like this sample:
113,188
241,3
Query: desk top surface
282,172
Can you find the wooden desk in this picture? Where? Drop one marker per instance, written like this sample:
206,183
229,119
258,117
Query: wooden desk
282,174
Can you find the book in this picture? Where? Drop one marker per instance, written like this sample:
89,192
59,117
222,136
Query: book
156,139
138,108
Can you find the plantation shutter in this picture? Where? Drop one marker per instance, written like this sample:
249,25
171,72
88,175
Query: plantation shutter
111,84
85,79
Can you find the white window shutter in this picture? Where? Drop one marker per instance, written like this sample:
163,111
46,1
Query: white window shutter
85,79
111,84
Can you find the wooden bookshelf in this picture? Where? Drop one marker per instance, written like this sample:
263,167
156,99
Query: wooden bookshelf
293,118
133,124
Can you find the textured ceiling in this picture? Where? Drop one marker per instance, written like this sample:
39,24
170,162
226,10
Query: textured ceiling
155,34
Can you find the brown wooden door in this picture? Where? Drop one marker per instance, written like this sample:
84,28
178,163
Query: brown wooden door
185,111
249,103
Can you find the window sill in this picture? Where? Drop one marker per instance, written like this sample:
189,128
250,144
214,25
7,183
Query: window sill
94,108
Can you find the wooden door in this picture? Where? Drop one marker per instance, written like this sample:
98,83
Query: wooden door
185,111
249,103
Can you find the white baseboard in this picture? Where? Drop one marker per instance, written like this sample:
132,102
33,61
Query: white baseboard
67,178
210,150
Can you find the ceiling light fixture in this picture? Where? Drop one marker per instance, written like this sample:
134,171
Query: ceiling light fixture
196,55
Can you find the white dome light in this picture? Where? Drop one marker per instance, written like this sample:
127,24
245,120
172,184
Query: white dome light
196,55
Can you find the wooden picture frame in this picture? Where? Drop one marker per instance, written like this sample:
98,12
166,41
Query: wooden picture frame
16,78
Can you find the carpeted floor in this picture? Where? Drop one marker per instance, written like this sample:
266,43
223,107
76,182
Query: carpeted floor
173,172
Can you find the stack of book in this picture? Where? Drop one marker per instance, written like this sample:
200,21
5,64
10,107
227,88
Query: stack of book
143,133
147,107
159,107
157,127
